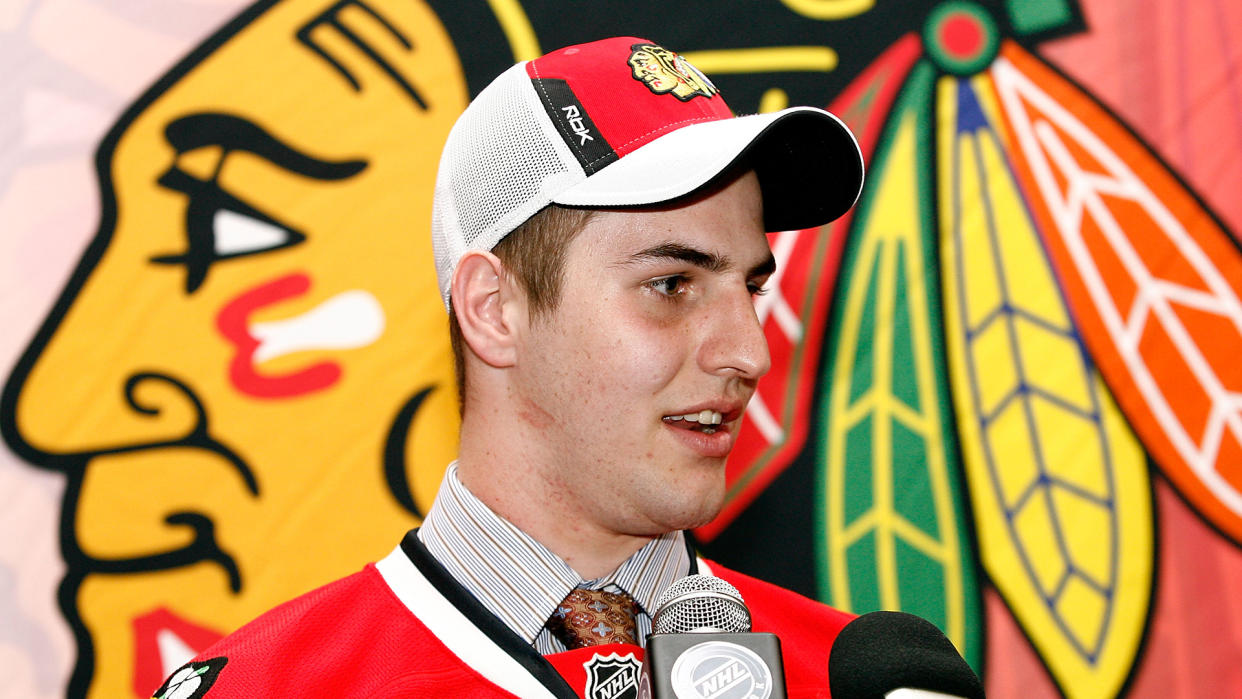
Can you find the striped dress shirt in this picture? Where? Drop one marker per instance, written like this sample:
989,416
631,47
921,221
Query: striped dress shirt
519,580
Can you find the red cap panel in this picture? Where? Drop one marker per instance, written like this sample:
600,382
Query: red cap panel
632,89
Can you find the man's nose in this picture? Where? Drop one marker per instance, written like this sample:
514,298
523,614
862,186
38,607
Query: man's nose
734,342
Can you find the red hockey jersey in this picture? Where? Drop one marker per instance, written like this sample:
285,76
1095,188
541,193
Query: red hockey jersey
403,627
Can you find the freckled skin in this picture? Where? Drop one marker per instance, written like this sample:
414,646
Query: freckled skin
582,458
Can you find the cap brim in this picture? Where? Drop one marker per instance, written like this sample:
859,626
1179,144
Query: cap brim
809,166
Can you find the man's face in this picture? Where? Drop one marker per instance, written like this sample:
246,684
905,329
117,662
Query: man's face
249,381
655,333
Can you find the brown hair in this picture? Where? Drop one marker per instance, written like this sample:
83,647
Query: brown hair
533,255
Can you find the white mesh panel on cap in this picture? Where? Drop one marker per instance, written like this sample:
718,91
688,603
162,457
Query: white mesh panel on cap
502,163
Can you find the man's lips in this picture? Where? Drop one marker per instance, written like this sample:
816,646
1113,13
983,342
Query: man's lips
708,429
349,319
717,444
729,410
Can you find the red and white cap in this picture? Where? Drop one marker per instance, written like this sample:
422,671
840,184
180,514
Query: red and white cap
624,122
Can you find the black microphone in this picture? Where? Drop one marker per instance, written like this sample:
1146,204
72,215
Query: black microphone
701,647
895,655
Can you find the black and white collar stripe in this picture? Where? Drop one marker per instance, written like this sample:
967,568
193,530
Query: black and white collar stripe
470,632
519,580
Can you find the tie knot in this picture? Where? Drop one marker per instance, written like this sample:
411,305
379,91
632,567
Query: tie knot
593,617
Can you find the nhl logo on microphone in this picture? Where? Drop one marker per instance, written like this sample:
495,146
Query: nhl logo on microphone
612,676
721,670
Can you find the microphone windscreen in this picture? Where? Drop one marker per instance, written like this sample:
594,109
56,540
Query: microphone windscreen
700,603
882,651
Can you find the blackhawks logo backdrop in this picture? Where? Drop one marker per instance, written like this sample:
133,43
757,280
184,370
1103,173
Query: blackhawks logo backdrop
1005,393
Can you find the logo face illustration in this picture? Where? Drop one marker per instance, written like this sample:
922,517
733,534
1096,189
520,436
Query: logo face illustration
192,680
250,359
663,71
612,676
721,670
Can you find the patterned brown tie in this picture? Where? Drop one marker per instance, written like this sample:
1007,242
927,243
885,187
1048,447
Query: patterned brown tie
592,617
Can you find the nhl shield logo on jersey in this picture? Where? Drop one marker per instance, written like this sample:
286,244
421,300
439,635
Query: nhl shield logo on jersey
192,680
663,71
611,676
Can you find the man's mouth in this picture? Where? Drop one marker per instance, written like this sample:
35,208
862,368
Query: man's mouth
705,421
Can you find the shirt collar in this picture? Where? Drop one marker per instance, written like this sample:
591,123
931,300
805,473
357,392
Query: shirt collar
517,578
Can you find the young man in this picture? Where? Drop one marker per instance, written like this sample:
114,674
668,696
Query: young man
599,238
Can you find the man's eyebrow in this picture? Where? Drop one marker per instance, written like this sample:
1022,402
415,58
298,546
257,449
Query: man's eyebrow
709,261
235,133
764,269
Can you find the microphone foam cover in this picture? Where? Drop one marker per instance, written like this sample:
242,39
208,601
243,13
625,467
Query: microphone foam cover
700,603
882,651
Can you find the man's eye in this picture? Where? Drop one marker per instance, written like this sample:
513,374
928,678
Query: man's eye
757,289
668,286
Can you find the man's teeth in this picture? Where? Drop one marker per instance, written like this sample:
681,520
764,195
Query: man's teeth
703,417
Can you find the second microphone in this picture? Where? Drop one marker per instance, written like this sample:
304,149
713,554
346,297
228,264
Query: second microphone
701,647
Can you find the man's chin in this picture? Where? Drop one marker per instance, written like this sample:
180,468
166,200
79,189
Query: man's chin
693,513
704,519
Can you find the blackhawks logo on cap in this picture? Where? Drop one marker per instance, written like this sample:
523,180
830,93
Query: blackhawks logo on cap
663,71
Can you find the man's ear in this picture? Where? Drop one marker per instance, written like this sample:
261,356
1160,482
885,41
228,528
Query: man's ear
481,293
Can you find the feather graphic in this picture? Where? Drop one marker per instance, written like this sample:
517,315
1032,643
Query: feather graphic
891,506
1059,485
1152,279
